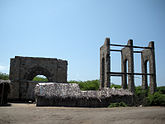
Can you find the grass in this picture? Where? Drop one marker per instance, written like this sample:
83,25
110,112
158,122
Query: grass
120,104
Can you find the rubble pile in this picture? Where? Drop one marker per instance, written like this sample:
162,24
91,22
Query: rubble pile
69,94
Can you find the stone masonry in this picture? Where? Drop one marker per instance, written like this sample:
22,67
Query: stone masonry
127,61
105,64
127,57
69,94
148,55
24,69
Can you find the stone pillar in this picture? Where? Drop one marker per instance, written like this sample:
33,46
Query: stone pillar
105,64
127,57
148,55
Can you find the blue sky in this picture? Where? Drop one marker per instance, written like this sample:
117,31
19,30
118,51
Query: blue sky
74,30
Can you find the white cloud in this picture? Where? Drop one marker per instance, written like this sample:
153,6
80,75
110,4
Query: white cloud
4,69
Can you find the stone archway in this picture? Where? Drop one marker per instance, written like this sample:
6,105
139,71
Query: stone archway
32,72
24,69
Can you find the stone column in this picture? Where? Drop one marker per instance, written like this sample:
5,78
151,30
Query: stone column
105,64
148,55
127,56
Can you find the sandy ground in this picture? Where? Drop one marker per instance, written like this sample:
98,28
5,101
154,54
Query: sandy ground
29,114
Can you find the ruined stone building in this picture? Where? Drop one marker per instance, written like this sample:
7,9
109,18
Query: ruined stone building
127,56
60,93
4,91
24,69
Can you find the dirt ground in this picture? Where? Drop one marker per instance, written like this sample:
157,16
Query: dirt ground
30,114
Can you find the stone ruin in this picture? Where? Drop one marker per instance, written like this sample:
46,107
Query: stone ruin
57,92
24,69
127,56
69,94
4,91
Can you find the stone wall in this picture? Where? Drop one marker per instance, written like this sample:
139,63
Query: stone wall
64,94
24,69
4,91
127,65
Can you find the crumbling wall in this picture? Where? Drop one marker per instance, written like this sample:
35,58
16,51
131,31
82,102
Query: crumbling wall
64,94
127,62
24,69
4,91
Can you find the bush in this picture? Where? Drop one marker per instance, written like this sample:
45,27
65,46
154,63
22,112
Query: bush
40,79
161,89
139,92
120,104
91,84
115,86
156,99
140,95
87,85
4,76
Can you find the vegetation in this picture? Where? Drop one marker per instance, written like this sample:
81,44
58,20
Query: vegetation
42,79
120,104
161,89
91,85
4,76
87,85
115,85
142,97
157,99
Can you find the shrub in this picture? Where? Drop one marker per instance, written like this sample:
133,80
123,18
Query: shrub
115,86
140,92
120,104
4,76
140,95
156,99
40,79
87,85
161,89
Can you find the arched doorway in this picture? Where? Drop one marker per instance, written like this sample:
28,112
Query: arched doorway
24,69
36,71
34,76
40,78
125,75
103,73
146,71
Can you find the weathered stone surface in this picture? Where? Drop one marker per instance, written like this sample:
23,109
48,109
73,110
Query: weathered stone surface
24,69
5,81
127,61
4,91
127,58
105,64
65,94
148,55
